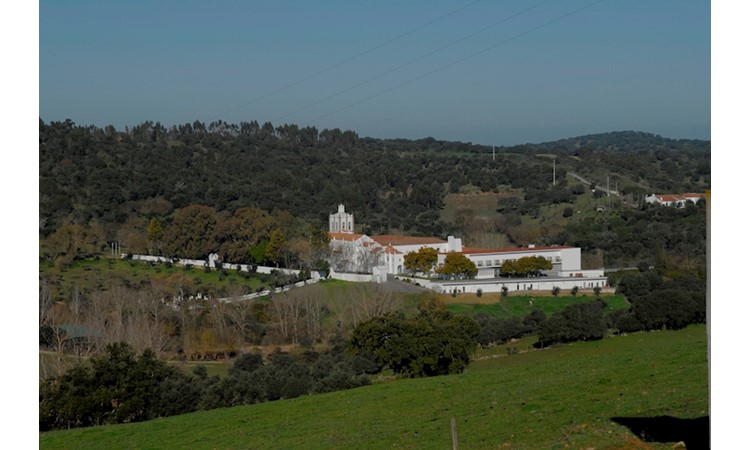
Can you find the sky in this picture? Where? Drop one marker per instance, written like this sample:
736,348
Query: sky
483,71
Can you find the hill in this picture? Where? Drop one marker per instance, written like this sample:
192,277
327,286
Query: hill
627,141
566,396
114,184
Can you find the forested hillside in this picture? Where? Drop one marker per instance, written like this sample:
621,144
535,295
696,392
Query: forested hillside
113,184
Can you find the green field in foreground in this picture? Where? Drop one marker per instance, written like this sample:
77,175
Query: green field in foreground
520,306
562,397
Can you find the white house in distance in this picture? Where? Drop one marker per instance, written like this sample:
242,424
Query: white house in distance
677,200
359,253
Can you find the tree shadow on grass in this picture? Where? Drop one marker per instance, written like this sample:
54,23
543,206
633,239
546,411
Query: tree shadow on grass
693,432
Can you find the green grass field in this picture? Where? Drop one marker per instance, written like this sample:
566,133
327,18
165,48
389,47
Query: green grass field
520,306
562,397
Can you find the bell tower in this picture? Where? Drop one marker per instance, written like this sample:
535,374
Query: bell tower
341,222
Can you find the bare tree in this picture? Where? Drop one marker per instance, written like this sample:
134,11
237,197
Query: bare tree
45,304
243,321
298,314
288,310
373,300
312,300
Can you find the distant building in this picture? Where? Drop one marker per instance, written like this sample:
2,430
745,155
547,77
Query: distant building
676,200
341,222
352,252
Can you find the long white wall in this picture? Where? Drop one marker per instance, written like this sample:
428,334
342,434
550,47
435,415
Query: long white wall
202,263
518,285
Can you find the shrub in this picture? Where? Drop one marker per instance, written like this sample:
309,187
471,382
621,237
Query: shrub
494,330
577,322
555,291
574,291
116,387
434,343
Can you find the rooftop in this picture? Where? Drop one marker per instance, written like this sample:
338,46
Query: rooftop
405,240
476,250
344,236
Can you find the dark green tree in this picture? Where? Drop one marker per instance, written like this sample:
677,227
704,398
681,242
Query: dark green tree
577,322
275,248
433,343
191,233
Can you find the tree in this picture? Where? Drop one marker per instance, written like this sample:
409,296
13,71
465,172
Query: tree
117,387
237,234
422,260
577,322
434,343
73,241
276,246
525,266
191,233
494,330
670,308
155,232
457,266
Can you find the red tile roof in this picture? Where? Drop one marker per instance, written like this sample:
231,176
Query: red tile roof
668,198
344,236
392,251
474,250
678,197
406,240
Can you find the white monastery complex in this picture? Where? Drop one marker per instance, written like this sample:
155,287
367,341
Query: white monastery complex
384,255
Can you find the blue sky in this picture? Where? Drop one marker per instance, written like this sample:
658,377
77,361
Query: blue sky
488,73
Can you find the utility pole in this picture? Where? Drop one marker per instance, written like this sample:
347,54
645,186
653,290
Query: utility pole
553,172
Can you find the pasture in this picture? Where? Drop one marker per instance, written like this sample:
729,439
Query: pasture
562,397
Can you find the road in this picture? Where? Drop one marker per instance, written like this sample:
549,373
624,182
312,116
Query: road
588,183
394,285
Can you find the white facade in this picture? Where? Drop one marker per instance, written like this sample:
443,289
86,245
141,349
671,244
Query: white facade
341,222
392,249
676,200
359,253
519,284
489,261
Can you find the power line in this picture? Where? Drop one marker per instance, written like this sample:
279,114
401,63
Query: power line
387,72
344,61
458,61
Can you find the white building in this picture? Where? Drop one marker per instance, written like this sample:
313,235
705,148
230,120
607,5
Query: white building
341,222
677,200
566,261
359,253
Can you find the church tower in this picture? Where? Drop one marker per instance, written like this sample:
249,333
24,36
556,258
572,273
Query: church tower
341,222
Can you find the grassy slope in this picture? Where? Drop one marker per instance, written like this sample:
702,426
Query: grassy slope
556,398
101,274
520,306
